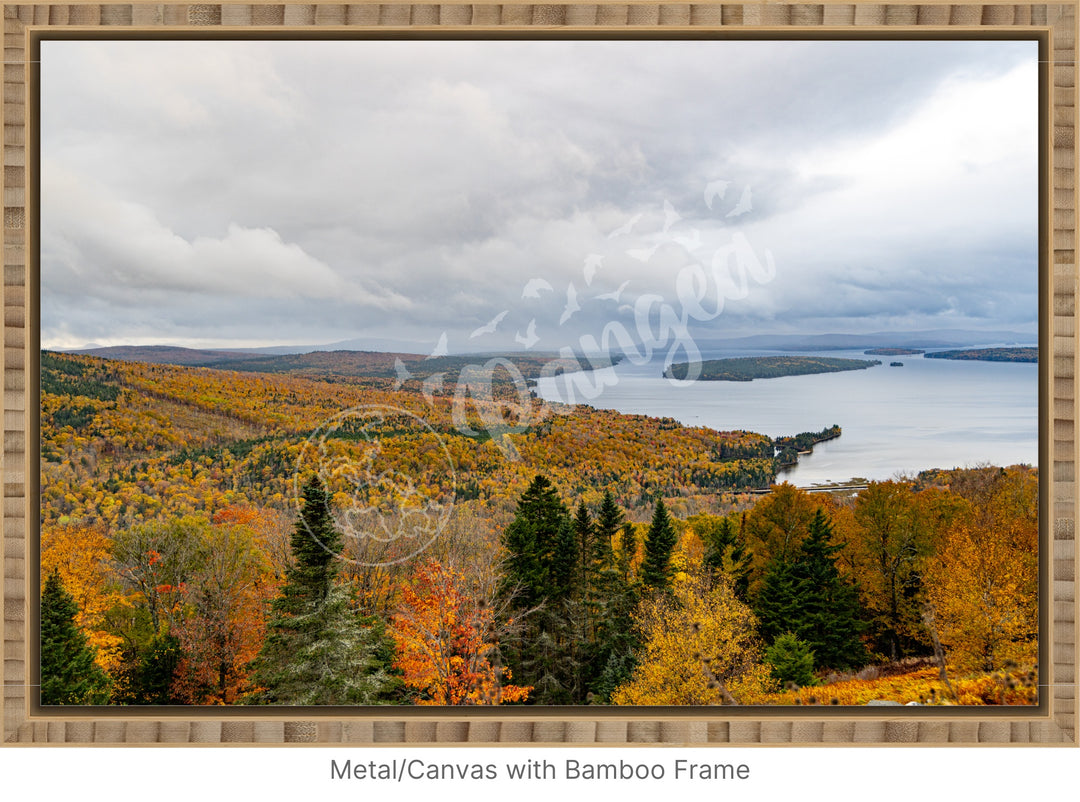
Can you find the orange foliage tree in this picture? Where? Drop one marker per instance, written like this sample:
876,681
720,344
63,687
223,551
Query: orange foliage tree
226,602
983,586
445,642
983,581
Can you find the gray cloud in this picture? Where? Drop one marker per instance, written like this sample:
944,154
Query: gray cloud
249,192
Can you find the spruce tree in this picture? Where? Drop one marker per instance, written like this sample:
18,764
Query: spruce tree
531,542
564,564
316,544
608,521
69,675
725,552
585,532
831,615
318,651
806,596
792,660
603,615
145,676
541,586
659,544
777,605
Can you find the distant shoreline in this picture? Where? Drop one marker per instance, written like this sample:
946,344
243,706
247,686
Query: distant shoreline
989,354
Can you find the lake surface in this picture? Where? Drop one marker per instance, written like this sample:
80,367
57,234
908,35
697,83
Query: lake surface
930,413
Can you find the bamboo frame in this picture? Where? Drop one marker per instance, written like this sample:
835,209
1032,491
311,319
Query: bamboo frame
1053,722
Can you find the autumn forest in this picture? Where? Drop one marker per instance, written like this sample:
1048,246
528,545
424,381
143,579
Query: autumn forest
377,536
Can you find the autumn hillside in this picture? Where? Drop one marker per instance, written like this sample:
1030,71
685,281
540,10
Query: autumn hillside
212,536
125,441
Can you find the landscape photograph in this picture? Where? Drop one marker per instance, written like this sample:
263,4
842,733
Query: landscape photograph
612,373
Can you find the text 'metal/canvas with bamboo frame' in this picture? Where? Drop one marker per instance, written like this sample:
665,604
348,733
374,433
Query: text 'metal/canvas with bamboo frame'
1052,722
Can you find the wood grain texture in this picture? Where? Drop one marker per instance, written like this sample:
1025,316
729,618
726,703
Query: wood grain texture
1057,725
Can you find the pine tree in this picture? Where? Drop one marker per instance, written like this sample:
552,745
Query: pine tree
585,532
318,651
792,660
541,586
564,563
659,544
725,552
806,595
608,521
627,550
777,605
145,676
69,675
531,542
316,544
831,611
611,661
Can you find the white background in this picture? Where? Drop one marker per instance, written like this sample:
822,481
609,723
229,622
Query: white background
881,774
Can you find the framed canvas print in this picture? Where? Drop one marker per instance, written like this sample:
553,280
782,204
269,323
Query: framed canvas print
421,374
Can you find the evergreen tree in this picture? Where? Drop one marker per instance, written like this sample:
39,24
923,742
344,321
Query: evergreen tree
832,613
542,588
531,541
318,651
807,596
627,551
585,532
618,669
725,552
659,544
316,544
564,563
608,521
792,660
69,675
609,603
777,604
145,676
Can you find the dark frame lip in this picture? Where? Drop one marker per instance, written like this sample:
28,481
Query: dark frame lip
536,713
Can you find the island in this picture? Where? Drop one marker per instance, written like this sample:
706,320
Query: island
896,364
990,354
893,351
748,368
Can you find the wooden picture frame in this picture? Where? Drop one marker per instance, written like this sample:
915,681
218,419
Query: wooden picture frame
1052,722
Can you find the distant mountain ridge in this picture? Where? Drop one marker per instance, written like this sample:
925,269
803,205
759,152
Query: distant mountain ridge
935,338
322,363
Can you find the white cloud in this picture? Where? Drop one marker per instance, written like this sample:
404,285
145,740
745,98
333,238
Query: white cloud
424,182
118,246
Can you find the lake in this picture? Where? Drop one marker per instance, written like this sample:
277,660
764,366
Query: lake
930,413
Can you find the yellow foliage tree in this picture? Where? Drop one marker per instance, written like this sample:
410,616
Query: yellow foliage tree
700,648
983,587
80,554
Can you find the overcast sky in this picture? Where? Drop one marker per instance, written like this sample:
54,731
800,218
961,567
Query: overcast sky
233,194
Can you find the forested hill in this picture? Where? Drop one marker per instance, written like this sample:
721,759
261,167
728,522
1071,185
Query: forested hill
128,441
990,354
371,364
748,368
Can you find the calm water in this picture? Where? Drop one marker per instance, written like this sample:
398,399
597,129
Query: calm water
930,413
